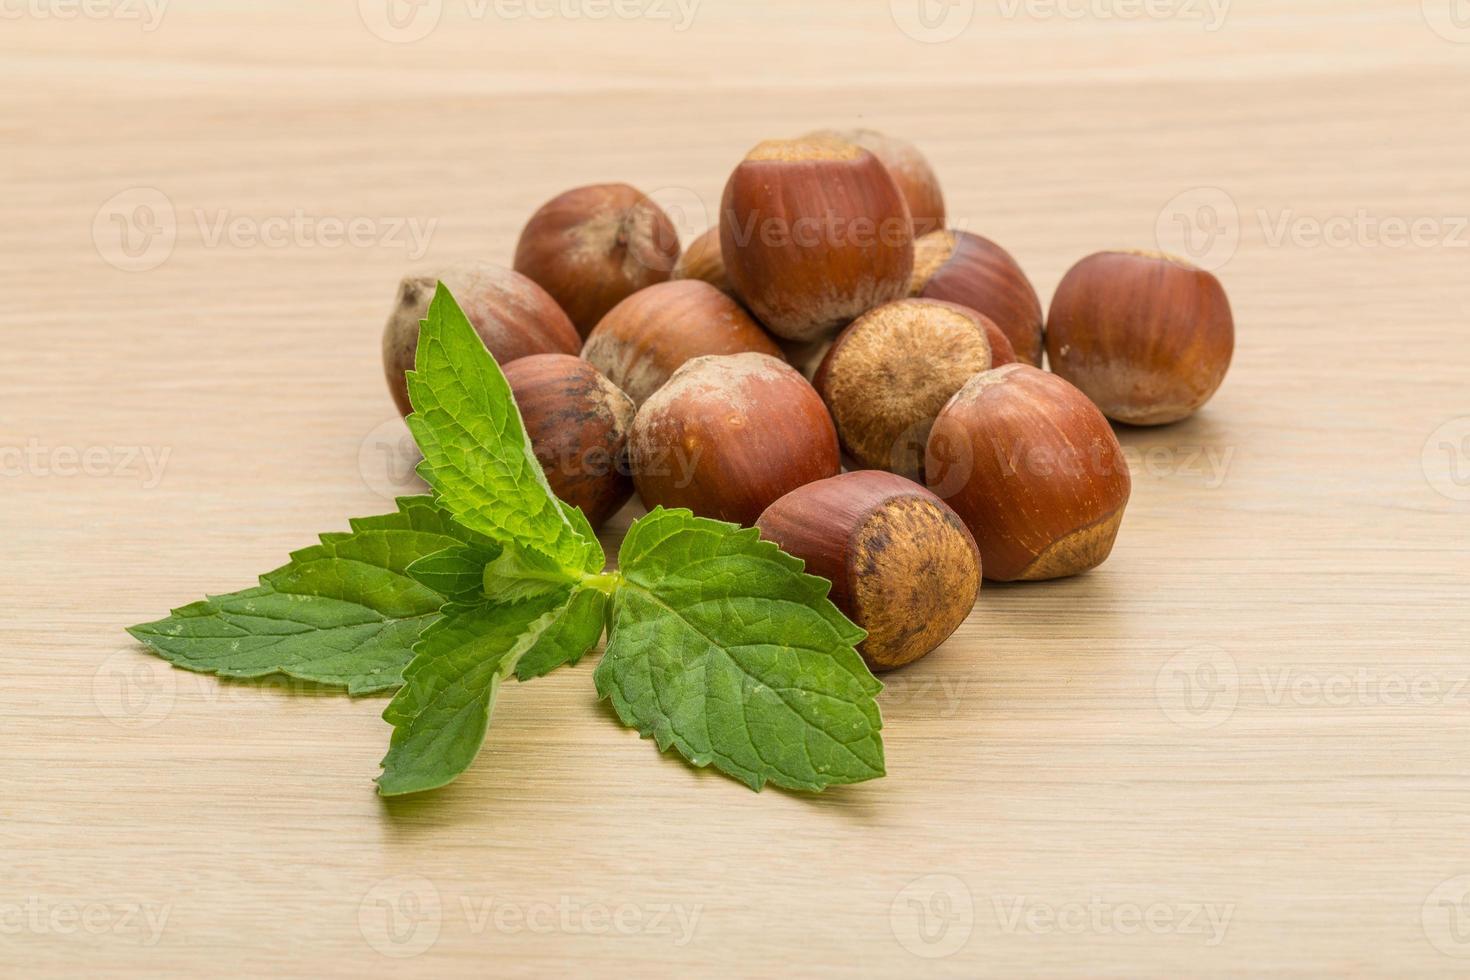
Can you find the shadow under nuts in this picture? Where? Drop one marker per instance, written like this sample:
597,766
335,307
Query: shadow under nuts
648,336
902,564
578,424
814,233
513,316
728,436
1033,469
1148,337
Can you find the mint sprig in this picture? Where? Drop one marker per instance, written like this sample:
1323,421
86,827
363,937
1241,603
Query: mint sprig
476,454
345,612
723,649
719,646
440,716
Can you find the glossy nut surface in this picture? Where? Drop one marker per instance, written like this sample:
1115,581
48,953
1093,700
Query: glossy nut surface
578,424
902,564
890,373
728,436
593,247
513,316
814,233
1148,337
1033,469
975,272
911,171
647,337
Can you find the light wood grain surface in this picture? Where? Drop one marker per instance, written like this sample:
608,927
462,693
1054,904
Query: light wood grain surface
1241,747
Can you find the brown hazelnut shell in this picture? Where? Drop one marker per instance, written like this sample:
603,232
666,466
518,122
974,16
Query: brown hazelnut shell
902,564
814,233
578,424
513,316
646,338
1148,337
1033,469
911,171
975,272
890,373
728,436
593,247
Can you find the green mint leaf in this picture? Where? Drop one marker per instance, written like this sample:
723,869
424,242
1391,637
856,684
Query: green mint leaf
576,631
476,453
456,573
721,647
343,612
520,573
441,714
583,527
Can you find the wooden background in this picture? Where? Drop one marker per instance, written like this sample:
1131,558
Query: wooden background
1240,747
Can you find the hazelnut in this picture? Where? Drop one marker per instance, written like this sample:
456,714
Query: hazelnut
1148,337
702,260
1033,469
814,233
888,375
513,316
593,247
645,338
1001,351
728,436
975,272
578,424
903,566
915,178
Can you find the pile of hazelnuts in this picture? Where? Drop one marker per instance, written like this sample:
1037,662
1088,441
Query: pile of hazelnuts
831,318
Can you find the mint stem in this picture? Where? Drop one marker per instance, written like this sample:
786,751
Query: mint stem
606,583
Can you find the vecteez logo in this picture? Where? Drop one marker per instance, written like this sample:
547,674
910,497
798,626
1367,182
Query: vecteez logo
933,916
1202,225
933,21
400,917
406,21
134,692
148,14
1450,19
135,230
1199,688
1446,460
401,21
1446,917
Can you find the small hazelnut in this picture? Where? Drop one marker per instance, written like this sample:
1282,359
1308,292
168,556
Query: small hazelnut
578,423
513,316
975,272
728,436
903,566
1033,469
702,260
915,178
814,233
644,339
888,375
593,247
1148,337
